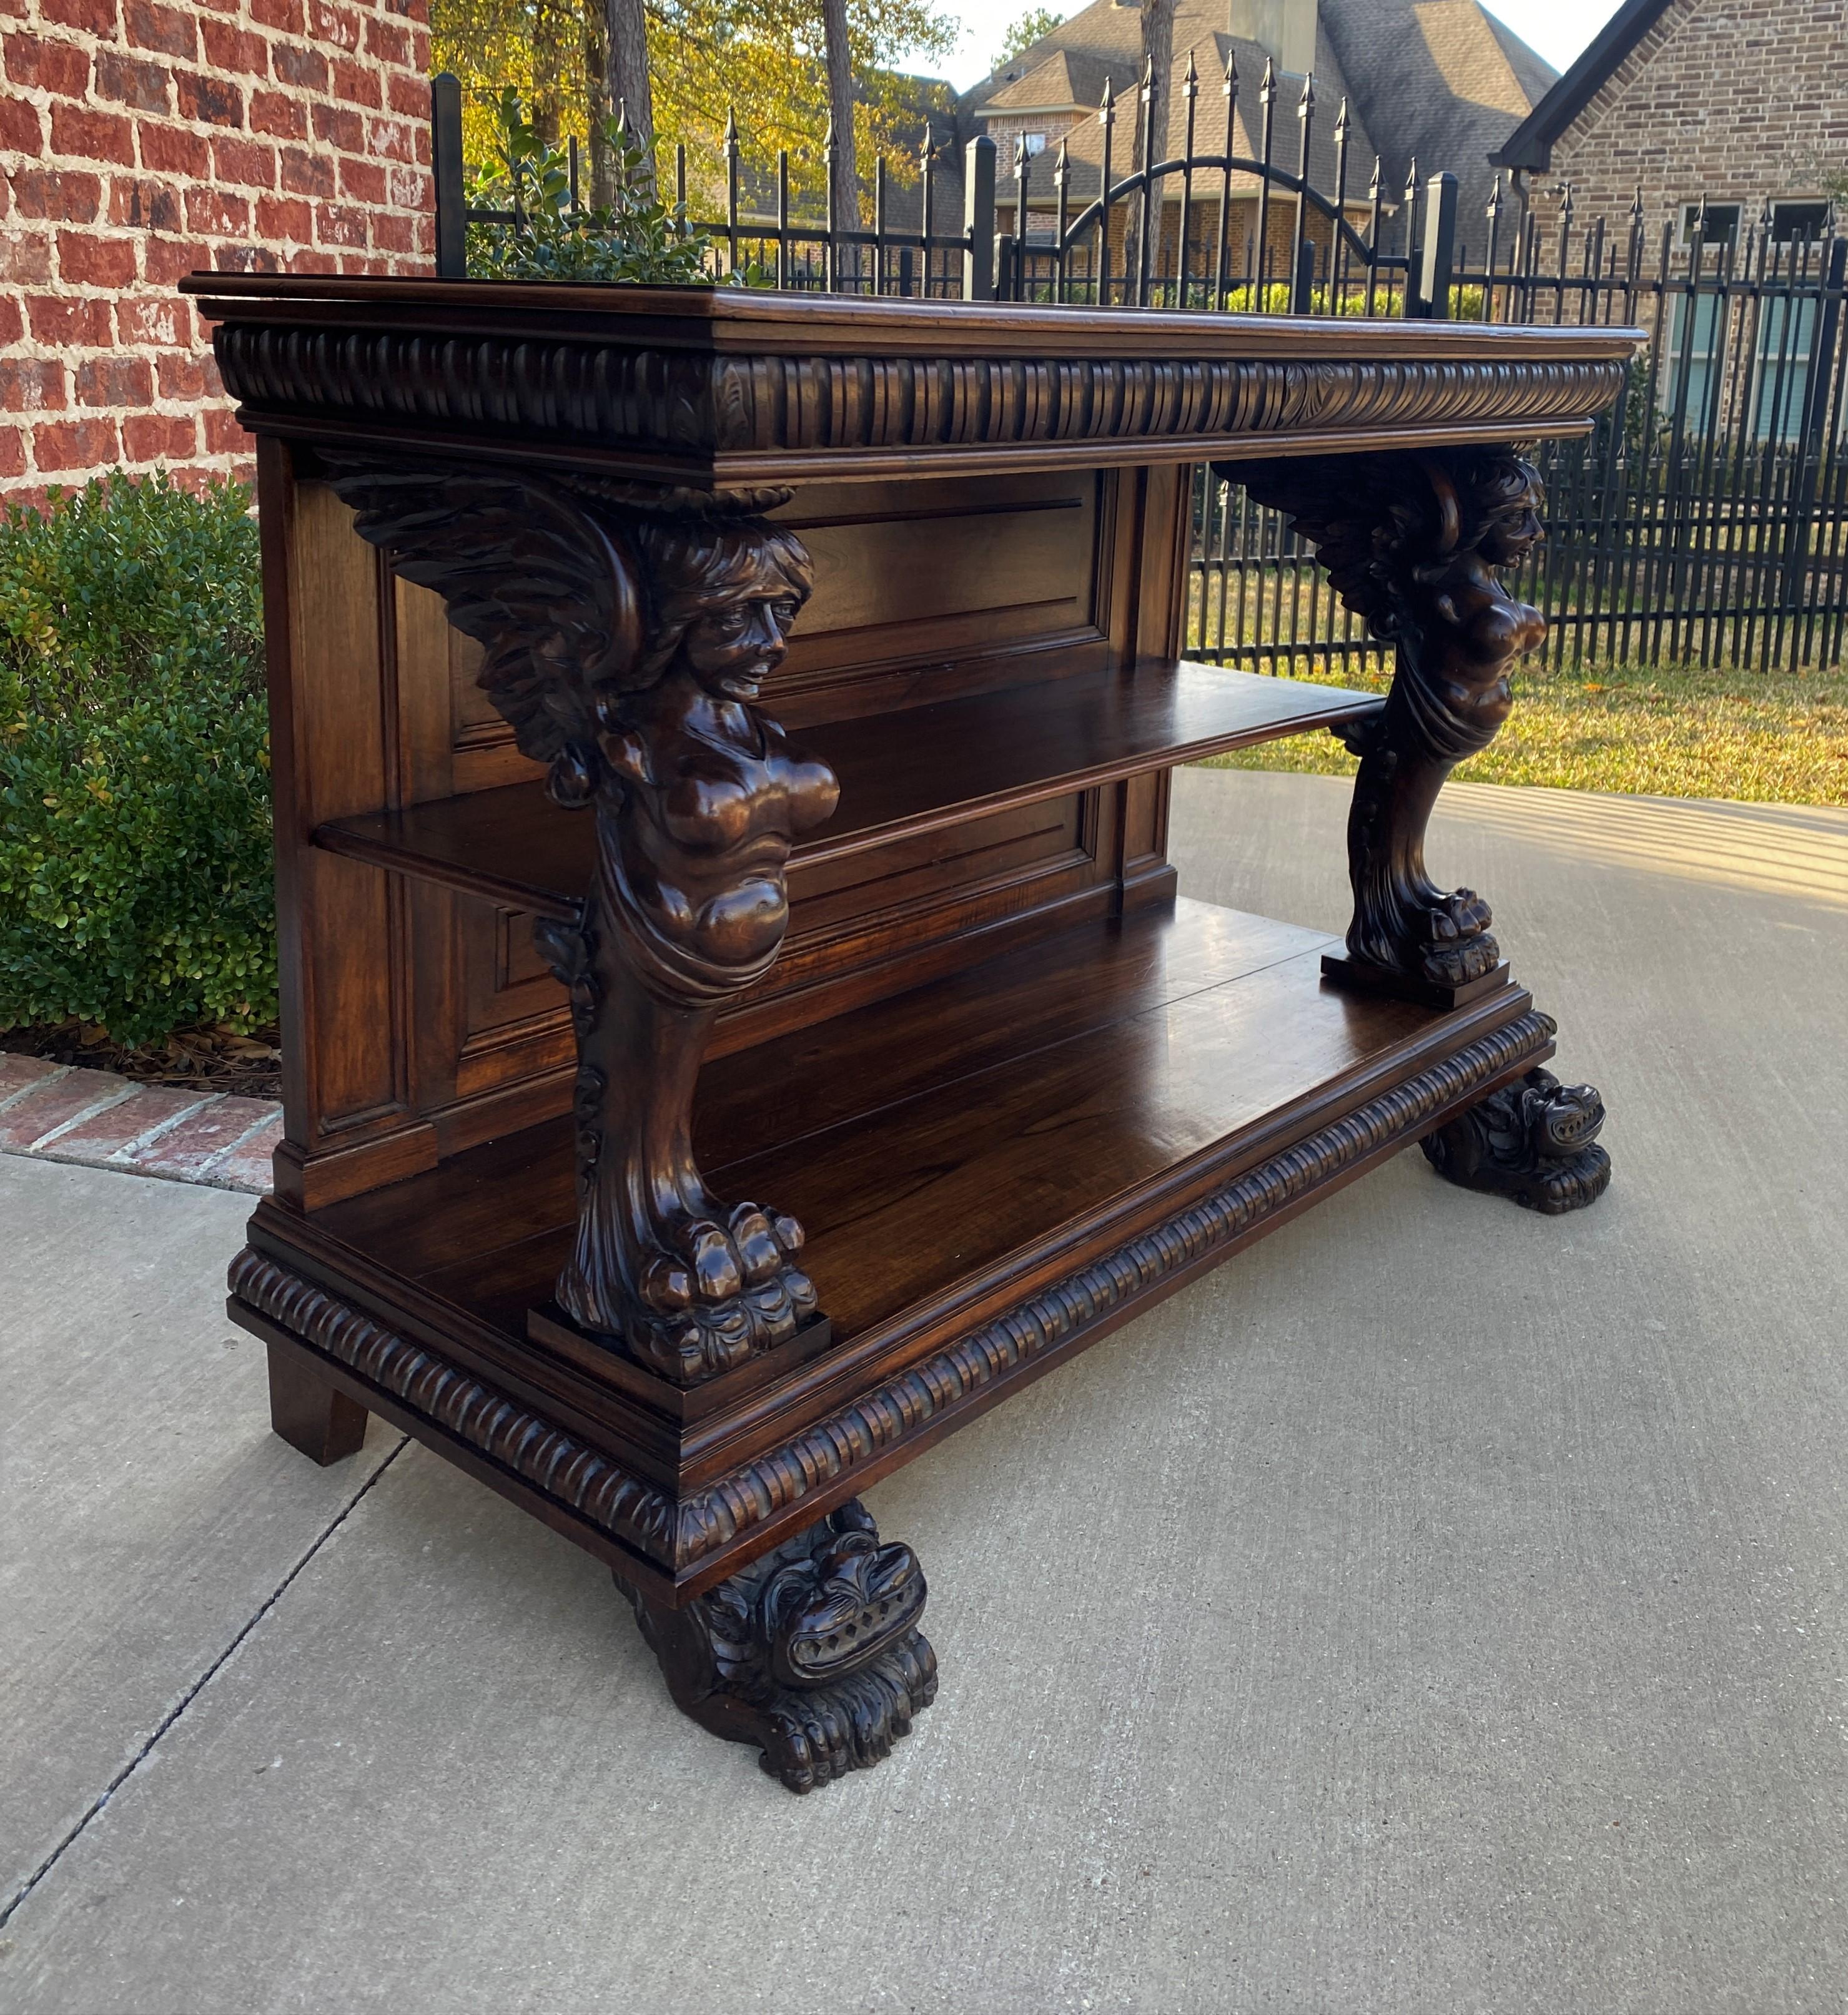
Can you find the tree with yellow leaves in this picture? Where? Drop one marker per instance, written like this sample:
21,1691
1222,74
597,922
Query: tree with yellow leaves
764,60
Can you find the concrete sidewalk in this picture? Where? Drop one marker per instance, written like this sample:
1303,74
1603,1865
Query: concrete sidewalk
1471,1637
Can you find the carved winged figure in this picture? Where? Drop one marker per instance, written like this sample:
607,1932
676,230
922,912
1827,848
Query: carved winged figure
628,632
1412,544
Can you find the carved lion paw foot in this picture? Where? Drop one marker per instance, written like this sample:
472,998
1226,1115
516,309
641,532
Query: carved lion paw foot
1535,1140
813,1652
718,1294
1457,947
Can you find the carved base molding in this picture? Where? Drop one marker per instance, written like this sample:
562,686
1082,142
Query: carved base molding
1534,1140
812,1652
676,1535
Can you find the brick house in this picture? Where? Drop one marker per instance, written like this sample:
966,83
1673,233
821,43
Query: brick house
140,139
1441,81
1743,103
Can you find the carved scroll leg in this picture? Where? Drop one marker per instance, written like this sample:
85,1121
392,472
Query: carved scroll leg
812,1653
1535,1140
309,1414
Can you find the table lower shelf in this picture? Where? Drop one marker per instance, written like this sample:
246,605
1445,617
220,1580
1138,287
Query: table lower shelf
991,1170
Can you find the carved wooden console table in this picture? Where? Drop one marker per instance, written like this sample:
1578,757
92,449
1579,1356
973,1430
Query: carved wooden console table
739,1024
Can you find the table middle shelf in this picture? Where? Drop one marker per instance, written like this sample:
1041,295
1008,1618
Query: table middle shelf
904,773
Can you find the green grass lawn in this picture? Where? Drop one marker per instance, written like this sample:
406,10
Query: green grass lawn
1776,737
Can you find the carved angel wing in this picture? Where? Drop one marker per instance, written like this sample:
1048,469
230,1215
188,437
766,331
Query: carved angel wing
1368,520
523,567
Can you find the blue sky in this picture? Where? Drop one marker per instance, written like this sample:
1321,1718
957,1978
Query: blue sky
1558,29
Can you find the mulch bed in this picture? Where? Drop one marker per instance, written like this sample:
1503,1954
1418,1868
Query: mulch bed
212,1058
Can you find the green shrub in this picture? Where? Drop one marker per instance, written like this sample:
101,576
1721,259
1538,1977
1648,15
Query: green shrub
634,237
134,838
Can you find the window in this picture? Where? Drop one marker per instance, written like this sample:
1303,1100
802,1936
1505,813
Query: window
1036,143
1722,225
1798,223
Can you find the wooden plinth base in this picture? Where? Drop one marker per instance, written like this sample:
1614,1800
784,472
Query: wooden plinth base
1358,977
995,1172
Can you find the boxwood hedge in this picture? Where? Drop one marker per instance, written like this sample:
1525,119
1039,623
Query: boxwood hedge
134,835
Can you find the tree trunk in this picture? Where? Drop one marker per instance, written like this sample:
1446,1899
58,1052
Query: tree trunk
840,109
625,66
596,82
1158,52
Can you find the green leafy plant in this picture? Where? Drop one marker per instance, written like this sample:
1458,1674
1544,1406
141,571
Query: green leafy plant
135,890
1023,32
634,237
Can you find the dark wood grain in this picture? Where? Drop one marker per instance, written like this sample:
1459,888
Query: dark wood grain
875,920
917,771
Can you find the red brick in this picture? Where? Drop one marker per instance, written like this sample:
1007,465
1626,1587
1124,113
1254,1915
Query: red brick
223,434
410,96
181,376
391,43
74,444
17,1072
183,1150
229,48
123,1124
61,68
54,1102
20,128
160,437
305,69
92,136
362,181
394,233
12,319
409,188
286,16
339,223
88,260
115,382
282,219
159,319
334,26
247,164
65,196
209,99
248,1165
388,139
145,87
72,320
142,205
12,455
358,85
25,256
270,112
307,174
170,150
94,17
166,259
336,126
167,29
240,257
217,213
31,385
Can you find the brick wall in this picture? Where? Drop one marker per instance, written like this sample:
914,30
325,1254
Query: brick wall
1742,101
140,140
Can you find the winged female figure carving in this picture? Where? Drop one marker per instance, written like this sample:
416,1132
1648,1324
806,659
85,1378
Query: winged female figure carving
628,634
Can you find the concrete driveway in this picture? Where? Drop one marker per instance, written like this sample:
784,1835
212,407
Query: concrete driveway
1471,1637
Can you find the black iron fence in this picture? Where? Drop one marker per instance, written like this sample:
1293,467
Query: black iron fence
1704,521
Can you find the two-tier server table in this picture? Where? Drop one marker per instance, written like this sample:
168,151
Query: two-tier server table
738,1021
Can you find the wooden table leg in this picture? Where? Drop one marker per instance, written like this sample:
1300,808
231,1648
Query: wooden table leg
1413,543
812,1653
309,1414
